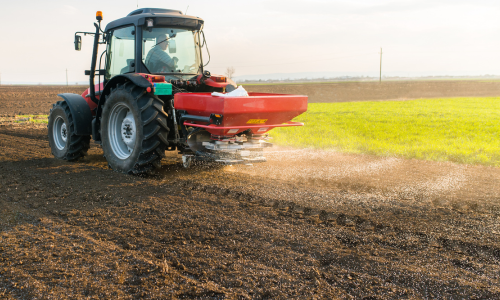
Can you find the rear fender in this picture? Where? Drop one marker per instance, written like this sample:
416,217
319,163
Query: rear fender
81,113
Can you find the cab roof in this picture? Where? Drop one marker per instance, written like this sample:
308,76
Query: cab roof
160,16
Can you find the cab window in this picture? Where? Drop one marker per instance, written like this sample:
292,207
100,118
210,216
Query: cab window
121,52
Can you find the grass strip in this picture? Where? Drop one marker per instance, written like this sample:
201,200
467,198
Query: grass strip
39,119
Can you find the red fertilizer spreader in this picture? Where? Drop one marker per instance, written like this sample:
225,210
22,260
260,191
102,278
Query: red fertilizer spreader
233,130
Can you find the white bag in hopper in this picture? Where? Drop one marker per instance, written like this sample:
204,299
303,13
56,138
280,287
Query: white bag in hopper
239,92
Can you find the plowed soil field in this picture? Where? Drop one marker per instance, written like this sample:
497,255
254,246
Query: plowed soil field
308,224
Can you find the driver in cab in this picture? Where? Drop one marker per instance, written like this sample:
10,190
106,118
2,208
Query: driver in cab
157,60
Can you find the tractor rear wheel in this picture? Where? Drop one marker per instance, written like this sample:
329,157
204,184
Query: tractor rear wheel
63,141
134,130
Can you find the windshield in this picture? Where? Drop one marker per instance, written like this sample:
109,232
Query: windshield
170,50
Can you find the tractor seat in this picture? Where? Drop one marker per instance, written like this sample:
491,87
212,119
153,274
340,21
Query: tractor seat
129,68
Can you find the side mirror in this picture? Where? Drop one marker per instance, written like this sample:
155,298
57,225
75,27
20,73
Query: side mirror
172,48
78,43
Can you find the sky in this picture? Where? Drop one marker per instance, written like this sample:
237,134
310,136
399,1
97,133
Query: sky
418,38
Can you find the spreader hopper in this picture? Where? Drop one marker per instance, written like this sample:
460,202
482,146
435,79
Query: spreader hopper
233,129
258,113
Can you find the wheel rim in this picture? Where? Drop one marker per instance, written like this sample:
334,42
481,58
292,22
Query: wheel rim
122,131
60,133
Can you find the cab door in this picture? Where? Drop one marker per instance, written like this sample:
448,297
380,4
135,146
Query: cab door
120,51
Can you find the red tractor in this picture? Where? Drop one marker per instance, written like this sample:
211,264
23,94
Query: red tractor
155,96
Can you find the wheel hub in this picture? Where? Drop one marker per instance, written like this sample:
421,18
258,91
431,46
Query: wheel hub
64,133
128,131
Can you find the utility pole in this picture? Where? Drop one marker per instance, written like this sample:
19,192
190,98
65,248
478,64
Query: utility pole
380,76
66,77
0,78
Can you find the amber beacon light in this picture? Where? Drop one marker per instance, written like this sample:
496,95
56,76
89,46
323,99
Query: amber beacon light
98,15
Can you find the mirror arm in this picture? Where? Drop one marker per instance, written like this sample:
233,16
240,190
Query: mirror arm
84,33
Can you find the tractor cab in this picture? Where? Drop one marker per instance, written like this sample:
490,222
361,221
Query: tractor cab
154,41
151,41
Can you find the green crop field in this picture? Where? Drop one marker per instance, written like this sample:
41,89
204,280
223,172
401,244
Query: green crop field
464,130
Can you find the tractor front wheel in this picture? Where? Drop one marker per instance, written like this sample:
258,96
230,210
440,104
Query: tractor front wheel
63,141
134,130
